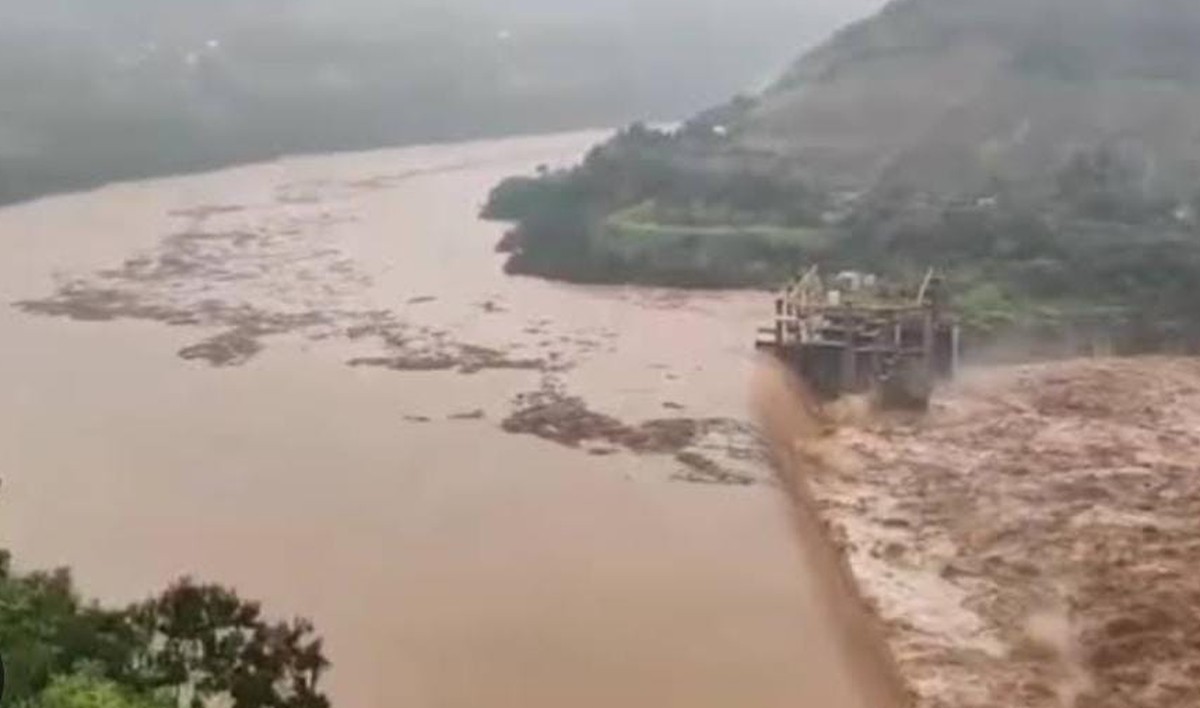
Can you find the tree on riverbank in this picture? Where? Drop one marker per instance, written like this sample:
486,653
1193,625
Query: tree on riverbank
188,646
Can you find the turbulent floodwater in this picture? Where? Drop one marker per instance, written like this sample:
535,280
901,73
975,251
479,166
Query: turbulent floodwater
178,397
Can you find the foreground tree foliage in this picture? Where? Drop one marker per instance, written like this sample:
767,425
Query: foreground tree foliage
190,646
89,690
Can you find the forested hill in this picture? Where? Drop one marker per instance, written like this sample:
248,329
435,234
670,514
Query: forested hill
95,91
1044,153
951,95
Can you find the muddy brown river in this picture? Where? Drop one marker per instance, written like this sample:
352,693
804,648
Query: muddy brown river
293,378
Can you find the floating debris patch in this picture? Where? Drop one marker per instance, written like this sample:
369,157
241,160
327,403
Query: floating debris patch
232,348
298,284
552,415
208,278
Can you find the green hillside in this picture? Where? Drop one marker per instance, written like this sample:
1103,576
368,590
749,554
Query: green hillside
951,95
1044,153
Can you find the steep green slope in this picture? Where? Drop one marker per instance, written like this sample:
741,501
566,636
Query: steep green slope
948,95
1043,153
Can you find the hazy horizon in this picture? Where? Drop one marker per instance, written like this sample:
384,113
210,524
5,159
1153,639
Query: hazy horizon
133,88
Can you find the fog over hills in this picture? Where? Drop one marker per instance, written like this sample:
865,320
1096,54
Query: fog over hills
1043,154
124,88
947,95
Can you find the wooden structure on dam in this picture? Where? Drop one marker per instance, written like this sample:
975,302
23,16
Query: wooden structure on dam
857,335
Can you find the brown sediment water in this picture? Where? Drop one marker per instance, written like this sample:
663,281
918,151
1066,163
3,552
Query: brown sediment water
851,630
177,397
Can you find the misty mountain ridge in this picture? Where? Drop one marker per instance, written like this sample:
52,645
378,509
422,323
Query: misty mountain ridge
949,96
1043,155
122,89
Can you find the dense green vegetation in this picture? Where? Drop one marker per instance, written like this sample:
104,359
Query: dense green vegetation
656,207
188,647
1041,153
684,209
121,89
